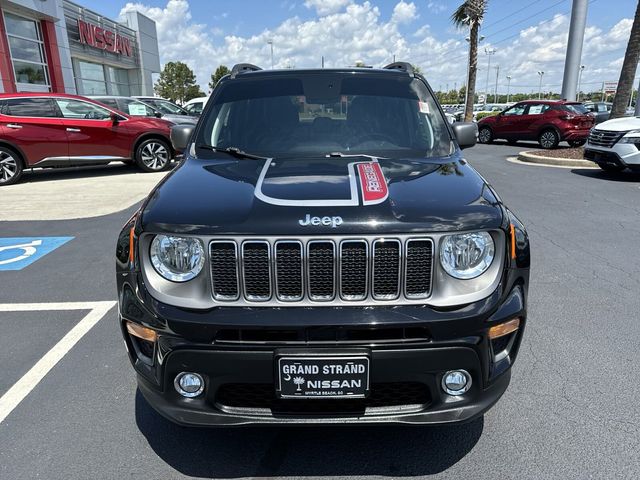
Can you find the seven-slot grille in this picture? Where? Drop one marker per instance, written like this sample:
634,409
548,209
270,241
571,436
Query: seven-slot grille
321,270
604,138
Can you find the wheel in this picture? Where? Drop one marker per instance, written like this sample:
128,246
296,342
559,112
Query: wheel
549,139
10,166
485,135
611,167
153,155
577,143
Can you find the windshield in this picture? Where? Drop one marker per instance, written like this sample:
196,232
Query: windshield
165,106
318,114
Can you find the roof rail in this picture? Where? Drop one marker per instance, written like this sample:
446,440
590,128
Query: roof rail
402,66
243,67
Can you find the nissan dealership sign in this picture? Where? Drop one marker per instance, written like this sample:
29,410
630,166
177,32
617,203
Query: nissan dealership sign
104,39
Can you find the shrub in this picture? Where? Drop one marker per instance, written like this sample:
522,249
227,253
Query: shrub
481,115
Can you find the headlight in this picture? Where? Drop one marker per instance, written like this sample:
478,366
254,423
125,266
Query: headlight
635,139
178,259
467,255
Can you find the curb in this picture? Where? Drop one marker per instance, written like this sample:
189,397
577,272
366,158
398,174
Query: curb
563,162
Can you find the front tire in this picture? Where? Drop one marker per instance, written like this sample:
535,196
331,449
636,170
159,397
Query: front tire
10,167
485,135
548,139
153,155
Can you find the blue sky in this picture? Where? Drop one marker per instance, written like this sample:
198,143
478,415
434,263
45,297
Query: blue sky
529,35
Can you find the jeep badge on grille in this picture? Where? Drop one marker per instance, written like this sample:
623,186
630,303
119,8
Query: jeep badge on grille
333,222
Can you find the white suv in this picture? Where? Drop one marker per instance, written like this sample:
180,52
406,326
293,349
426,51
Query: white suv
615,144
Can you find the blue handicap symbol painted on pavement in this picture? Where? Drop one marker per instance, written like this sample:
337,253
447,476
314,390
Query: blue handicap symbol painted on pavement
19,252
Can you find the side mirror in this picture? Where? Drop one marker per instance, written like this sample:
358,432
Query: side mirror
180,136
115,119
157,114
466,134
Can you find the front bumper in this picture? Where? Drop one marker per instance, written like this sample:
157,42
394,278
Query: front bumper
621,154
409,347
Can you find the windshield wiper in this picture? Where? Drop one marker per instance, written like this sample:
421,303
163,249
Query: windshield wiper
233,151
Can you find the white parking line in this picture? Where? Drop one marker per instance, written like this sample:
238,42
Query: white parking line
12,398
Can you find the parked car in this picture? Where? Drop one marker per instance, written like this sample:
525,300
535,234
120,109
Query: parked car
138,108
549,122
600,110
328,268
39,130
615,144
163,105
195,105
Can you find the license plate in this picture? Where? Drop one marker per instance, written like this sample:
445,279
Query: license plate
323,377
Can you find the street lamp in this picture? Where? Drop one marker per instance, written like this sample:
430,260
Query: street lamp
541,73
489,52
495,95
508,86
270,42
579,81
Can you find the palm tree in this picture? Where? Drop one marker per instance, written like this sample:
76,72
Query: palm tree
298,381
628,72
470,14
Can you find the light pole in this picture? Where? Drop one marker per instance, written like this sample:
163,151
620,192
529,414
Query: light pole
508,86
270,42
489,52
541,73
495,94
573,58
579,82
637,110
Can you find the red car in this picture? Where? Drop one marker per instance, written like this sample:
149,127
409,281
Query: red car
548,122
57,130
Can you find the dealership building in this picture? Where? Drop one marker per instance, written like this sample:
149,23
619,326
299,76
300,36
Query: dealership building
59,46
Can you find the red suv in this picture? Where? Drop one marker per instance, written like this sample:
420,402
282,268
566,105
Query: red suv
57,130
548,122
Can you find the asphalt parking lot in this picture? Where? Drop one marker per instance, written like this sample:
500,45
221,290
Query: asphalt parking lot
68,401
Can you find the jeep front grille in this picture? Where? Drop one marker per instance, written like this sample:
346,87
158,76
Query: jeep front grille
340,270
604,138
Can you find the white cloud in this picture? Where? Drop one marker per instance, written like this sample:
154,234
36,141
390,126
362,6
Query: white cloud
437,7
357,30
404,12
326,7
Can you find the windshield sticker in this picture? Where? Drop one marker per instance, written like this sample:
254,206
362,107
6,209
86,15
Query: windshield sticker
424,107
137,110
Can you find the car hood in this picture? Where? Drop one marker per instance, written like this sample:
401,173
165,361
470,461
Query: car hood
623,124
311,196
180,119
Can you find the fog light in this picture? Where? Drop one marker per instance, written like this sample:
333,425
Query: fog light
456,382
189,384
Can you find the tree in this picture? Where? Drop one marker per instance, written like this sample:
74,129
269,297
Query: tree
629,67
177,83
220,72
470,14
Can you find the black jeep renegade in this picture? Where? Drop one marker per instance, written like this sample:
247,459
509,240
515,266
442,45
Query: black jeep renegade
323,254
